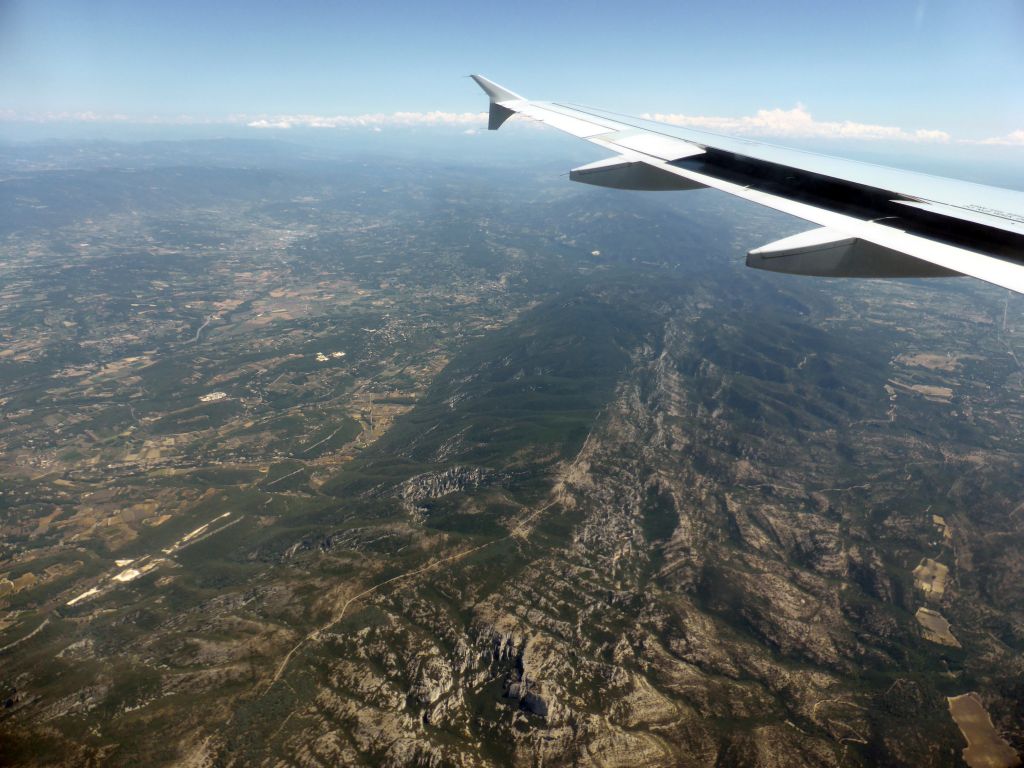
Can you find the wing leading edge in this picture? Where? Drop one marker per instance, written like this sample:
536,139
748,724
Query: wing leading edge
872,221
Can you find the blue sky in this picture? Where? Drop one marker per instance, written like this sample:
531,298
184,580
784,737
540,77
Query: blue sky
955,67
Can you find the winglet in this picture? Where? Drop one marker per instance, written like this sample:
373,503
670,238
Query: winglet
498,112
495,91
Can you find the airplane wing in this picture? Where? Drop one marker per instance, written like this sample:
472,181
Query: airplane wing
872,221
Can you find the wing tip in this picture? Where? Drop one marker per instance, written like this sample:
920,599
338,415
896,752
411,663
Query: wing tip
495,92
498,112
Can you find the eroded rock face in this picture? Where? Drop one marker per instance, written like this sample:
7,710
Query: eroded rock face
720,573
678,598
434,485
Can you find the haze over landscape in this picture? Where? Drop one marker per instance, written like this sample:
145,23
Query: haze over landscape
335,430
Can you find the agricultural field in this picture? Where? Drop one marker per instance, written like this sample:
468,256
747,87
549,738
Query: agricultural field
306,461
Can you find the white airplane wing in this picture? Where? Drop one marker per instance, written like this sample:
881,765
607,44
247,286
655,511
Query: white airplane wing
872,221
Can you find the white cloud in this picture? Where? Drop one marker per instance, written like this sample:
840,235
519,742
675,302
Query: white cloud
799,123
370,120
11,116
1012,139
374,120
783,123
264,123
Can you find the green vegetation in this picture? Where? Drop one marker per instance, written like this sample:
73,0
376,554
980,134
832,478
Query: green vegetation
394,429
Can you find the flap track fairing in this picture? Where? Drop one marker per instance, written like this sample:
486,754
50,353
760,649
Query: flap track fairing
823,252
624,173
